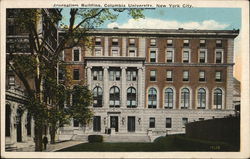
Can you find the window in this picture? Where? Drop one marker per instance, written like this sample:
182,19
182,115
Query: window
218,43
151,122
169,76
7,120
97,75
61,74
131,42
218,76
152,55
97,124
185,98
202,76
98,51
114,75
169,98
61,56
185,75
114,97
152,98
131,75
201,98
184,121
76,56
75,123
218,98
115,51
152,75
11,80
202,56
218,57
131,97
76,74
202,43
170,56
98,41
185,43
115,42
132,52
152,42
168,122
169,43
185,56
97,96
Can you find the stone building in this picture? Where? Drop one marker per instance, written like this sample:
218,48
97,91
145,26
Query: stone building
153,81
19,124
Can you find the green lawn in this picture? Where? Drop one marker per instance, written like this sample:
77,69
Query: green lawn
169,143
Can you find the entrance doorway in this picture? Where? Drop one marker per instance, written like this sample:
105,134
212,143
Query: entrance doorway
19,125
97,124
131,124
114,122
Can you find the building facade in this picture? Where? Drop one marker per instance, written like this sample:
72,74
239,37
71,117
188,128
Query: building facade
149,81
19,123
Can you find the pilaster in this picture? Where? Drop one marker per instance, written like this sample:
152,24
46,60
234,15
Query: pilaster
123,88
105,87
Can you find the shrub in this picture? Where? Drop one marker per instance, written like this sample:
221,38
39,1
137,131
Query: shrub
95,138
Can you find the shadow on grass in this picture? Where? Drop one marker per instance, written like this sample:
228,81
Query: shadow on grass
168,143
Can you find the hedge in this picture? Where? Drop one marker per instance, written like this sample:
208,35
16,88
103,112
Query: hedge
95,138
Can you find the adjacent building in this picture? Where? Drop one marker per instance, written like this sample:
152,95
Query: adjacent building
19,124
152,81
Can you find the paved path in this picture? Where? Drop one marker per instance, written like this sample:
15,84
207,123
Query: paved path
58,146
50,147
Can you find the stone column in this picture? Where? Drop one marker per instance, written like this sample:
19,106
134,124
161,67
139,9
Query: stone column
139,91
24,124
105,87
123,88
89,77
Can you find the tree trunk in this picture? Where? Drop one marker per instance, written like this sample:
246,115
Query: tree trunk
38,137
52,133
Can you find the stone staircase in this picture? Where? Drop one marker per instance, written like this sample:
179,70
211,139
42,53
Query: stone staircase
126,138
83,138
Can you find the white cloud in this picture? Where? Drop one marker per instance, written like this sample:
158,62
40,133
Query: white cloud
165,24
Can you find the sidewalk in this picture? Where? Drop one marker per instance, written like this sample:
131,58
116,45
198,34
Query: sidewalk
50,147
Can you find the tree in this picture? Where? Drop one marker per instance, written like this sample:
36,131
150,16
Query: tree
38,69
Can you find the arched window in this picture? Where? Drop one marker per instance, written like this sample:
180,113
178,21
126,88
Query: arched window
185,98
152,98
201,98
97,96
169,98
218,98
19,114
114,97
7,120
131,97
28,125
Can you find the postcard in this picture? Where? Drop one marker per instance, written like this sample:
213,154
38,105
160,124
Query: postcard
124,79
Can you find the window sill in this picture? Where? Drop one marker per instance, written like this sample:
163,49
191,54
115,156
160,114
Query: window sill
201,107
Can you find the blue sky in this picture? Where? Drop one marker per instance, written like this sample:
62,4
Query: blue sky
173,18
